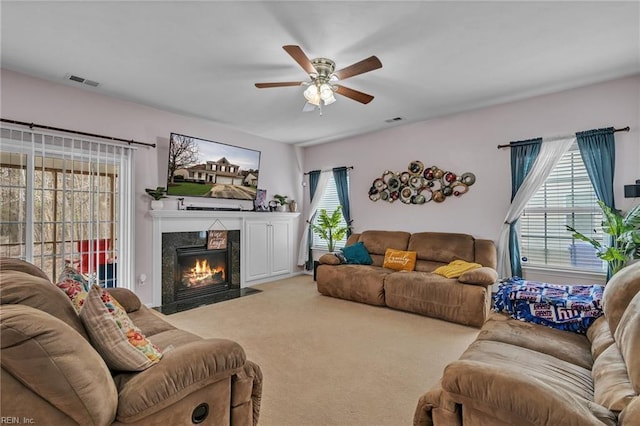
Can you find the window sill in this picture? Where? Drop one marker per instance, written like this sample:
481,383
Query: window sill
577,274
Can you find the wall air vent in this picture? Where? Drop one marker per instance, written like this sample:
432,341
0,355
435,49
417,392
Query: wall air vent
81,80
393,120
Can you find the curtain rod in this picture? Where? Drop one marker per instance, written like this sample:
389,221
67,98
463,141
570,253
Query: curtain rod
509,145
329,170
58,129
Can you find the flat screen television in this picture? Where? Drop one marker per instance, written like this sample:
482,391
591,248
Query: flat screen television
204,168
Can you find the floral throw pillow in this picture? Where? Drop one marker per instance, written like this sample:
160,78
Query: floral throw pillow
74,285
120,343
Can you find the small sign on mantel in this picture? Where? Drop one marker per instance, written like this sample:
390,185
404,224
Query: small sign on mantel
216,240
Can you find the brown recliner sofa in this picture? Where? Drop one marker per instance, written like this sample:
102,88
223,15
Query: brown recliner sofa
520,373
52,375
464,300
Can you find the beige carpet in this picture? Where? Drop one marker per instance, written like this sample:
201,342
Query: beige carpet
329,361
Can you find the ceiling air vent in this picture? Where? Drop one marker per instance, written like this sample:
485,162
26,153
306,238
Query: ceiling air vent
81,80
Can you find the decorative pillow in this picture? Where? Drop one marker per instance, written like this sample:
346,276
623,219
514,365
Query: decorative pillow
399,260
357,254
120,343
456,268
74,285
480,276
341,257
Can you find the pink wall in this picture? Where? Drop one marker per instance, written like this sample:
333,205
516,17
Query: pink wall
34,100
467,142
462,142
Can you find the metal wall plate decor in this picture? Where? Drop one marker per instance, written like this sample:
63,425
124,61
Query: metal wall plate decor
419,185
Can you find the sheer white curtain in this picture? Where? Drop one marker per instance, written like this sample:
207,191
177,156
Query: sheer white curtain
303,252
551,151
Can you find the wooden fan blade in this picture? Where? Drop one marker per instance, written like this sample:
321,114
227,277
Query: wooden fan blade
299,56
353,94
366,65
281,84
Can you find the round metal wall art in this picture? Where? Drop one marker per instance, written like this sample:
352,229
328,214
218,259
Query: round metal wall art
419,185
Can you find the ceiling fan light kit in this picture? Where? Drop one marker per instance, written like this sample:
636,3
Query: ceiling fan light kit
323,77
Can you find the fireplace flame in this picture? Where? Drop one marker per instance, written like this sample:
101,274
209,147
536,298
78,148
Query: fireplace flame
204,274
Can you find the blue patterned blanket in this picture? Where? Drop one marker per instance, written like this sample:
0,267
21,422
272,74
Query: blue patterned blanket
566,307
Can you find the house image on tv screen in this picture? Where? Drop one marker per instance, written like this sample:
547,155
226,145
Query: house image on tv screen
221,171
202,168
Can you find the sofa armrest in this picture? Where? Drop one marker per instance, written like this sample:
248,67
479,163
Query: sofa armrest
436,408
329,259
497,393
180,372
128,299
484,276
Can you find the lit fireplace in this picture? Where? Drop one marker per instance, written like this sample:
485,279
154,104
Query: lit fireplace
202,274
193,275
200,271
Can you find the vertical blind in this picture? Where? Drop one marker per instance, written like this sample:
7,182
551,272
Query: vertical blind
566,198
329,202
58,191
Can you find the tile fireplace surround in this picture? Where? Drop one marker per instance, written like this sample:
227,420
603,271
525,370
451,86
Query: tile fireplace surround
189,221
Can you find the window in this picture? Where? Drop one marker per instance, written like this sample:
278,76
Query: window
566,198
65,201
329,202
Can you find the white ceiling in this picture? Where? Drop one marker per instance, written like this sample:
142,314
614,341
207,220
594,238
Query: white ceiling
203,58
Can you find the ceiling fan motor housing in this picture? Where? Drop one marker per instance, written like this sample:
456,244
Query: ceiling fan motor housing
325,68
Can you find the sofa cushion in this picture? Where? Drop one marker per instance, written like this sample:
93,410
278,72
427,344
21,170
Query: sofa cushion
399,260
113,334
361,283
600,337
17,287
575,348
479,276
611,385
523,386
53,361
619,291
442,246
357,254
12,264
456,268
627,337
432,295
377,243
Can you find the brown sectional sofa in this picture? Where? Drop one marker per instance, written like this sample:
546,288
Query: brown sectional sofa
465,300
519,373
52,375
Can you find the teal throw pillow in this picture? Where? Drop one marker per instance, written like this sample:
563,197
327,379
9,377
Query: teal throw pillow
357,254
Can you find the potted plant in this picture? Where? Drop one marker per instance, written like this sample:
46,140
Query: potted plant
157,194
282,200
625,231
329,227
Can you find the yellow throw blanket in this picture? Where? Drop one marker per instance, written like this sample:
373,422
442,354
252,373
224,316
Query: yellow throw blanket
456,268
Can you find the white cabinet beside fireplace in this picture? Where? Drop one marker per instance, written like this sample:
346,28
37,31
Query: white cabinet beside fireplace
268,248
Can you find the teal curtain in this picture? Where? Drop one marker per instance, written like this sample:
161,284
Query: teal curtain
523,155
598,151
342,187
314,177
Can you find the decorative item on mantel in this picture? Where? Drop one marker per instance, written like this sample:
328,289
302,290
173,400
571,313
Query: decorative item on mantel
419,185
157,194
282,202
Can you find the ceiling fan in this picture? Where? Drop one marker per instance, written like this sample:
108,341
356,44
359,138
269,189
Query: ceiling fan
323,79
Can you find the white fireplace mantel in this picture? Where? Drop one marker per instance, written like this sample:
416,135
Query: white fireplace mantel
165,221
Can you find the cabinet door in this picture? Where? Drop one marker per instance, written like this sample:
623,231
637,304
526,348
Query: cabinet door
257,246
280,247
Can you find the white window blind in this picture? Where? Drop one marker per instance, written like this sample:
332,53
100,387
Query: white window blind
566,198
67,201
329,202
